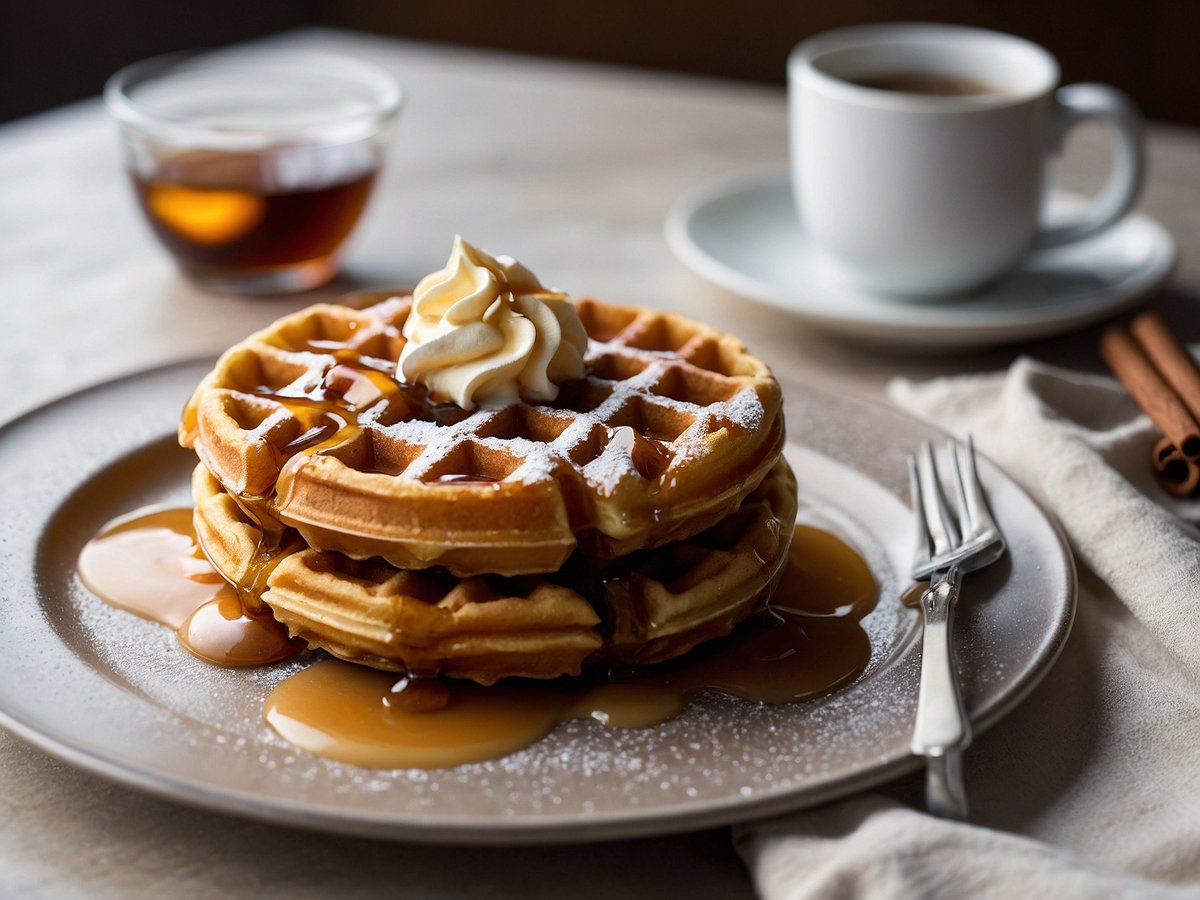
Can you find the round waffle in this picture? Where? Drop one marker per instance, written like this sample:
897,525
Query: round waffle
674,424
648,607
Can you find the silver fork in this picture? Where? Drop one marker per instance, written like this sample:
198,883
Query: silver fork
948,547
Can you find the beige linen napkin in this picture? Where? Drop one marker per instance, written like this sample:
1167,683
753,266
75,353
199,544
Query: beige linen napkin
1091,788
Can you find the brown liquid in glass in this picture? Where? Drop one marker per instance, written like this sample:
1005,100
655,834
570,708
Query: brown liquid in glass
214,211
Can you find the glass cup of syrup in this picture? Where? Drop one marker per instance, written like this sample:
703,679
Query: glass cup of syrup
252,168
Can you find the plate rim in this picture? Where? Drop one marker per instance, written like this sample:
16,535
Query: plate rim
914,324
548,828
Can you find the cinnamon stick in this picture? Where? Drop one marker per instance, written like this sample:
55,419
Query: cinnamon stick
1176,473
1151,393
1169,357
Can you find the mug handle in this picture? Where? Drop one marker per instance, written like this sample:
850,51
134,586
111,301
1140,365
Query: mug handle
1073,104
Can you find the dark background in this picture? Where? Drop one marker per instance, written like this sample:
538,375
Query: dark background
56,51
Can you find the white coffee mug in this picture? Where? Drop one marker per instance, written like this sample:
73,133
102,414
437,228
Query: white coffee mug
919,153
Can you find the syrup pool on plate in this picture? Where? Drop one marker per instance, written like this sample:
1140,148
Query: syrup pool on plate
150,563
807,642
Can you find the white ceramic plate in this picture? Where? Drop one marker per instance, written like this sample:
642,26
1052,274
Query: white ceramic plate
742,233
115,695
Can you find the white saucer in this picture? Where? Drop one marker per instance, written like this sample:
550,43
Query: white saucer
742,234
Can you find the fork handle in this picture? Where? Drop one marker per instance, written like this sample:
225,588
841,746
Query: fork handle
941,721
945,794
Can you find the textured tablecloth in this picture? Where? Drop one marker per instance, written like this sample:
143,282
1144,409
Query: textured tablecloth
1091,788
571,168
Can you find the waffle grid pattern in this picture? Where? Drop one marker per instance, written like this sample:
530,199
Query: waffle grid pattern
672,426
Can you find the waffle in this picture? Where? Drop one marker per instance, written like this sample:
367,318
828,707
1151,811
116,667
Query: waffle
304,422
648,607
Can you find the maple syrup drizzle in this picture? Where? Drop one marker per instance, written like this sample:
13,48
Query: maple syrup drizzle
222,632
806,643
151,564
330,413
809,641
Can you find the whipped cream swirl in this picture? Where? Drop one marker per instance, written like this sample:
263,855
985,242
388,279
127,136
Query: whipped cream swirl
484,332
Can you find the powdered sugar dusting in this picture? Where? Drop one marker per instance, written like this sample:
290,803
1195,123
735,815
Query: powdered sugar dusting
640,439
614,464
121,688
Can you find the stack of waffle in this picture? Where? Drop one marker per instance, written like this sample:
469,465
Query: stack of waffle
646,509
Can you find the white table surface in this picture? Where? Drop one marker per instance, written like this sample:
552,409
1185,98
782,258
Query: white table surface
569,167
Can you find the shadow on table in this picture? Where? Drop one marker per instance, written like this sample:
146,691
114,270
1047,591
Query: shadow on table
869,366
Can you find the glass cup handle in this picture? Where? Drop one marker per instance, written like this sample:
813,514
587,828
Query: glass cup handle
1073,104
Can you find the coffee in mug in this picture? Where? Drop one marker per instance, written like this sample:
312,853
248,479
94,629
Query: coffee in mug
938,84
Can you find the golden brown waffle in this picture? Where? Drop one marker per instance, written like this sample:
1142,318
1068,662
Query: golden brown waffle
648,607
674,424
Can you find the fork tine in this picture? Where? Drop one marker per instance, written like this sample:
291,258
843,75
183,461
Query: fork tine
975,507
921,555
968,520
937,518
